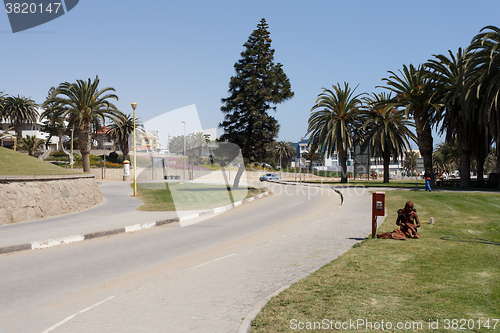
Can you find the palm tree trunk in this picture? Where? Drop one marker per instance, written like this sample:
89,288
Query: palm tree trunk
84,144
464,168
368,164
498,156
387,160
19,131
480,170
425,141
465,152
343,164
125,150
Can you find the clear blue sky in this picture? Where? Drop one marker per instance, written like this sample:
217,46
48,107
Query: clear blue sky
165,55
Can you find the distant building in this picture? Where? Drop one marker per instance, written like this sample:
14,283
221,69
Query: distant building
359,162
28,129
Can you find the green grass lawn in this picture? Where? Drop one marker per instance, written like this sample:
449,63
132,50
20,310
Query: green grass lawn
188,196
400,183
18,164
416,281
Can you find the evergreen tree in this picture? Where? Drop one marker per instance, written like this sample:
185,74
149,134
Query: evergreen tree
259,84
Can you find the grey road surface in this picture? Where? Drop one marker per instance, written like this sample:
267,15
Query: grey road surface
206,277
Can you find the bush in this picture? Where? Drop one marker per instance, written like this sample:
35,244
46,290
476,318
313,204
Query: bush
58,154
114,157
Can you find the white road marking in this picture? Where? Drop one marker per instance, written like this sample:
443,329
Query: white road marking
76,314
209,262
298,203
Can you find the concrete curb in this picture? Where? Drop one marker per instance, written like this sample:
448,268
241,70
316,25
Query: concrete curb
247,322
35,245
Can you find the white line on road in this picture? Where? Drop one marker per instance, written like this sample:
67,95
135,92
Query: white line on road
76,314
298,203
210,262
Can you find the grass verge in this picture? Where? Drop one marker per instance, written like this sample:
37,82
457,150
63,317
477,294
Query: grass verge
189,196
375,183
408,184
422,282
18,164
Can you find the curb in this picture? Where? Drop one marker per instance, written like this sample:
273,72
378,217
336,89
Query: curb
35,245
247,322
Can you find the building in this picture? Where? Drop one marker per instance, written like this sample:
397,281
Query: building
7,140
361,163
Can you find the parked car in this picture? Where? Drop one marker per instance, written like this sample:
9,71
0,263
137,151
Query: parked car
269,176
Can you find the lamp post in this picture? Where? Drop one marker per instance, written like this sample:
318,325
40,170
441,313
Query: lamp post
280,164
71,157
168,153
156,148
134,105
184,149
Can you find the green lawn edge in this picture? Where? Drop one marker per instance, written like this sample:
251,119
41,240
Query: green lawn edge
189,196
13,163
426,281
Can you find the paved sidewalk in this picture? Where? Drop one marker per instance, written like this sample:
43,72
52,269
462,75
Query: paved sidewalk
117,214
117,211
224,293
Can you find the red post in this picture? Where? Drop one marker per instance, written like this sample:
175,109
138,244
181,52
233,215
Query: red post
378,209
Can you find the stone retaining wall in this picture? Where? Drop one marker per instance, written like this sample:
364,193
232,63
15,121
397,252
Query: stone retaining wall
24,198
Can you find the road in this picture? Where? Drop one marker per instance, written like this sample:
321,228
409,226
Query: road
205,277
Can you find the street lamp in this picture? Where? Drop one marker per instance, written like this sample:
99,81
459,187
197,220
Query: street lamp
134,105
71,157
184,149
168,154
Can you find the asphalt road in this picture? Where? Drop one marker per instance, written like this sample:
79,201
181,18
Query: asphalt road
40,290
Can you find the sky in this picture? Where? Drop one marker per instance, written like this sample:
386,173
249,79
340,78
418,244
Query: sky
166,55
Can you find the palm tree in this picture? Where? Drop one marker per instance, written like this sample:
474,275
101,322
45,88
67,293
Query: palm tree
20,110
332,126
2,96
176,144
313,156
410,163
387,130
121,129
83,103
447,157
284,150
53,120
30,144
415,91
485,80
450,75
198,140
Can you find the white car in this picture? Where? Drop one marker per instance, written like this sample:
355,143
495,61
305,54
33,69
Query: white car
269,176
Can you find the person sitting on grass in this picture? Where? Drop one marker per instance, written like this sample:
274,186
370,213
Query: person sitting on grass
406,220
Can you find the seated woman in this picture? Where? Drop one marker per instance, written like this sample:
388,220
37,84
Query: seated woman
406,220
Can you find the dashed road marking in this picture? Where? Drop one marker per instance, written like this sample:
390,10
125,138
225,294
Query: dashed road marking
76,314
209,262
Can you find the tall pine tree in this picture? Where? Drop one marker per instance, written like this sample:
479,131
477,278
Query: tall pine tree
258,86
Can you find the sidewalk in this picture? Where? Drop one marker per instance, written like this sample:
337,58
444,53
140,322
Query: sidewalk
117,214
